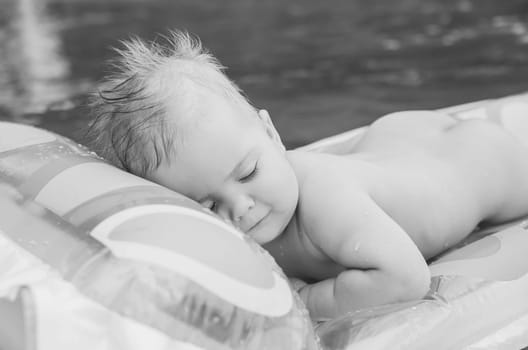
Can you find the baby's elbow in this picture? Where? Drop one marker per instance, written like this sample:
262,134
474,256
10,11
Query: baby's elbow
415,284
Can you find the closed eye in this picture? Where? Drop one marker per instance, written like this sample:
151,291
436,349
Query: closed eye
251,174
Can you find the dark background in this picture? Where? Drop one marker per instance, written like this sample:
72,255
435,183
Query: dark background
319,67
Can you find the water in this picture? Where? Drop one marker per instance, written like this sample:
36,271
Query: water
319,67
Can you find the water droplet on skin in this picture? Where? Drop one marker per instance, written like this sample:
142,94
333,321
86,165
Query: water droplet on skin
357,246
281,250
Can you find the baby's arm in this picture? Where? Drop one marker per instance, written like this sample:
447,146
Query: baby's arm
384,265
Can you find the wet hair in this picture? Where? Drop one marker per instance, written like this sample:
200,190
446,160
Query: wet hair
130,126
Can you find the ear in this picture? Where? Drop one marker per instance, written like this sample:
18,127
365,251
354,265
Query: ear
269,127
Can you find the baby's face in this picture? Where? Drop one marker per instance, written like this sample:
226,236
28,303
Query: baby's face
234,163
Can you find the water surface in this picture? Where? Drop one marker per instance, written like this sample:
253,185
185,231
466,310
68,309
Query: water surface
319,67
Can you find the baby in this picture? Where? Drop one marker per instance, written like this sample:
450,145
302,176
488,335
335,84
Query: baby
356,228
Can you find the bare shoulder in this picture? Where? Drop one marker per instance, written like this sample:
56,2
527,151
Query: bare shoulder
322,177
341,218
327,182
325,195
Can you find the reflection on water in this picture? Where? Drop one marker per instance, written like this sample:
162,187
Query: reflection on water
34,73
319,67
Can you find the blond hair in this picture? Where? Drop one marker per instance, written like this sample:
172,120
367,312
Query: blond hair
130,125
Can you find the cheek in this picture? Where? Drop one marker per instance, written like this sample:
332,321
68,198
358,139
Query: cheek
291,188
281,186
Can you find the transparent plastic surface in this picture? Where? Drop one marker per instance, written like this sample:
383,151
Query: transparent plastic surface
18,165
75,192
18,332
151,295
458,312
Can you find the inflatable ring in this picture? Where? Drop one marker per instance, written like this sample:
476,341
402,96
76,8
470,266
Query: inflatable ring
96,258
87,261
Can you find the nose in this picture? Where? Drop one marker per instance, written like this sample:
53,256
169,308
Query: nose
235,207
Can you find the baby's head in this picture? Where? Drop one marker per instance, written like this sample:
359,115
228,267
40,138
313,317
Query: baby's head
171,115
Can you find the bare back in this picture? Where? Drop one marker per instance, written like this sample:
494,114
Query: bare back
415,184
450,175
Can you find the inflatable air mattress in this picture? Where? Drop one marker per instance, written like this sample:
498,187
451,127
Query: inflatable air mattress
95,258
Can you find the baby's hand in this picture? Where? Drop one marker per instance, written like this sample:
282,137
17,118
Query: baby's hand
353,290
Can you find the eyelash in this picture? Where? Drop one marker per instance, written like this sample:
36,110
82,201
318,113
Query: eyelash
244,179
251,175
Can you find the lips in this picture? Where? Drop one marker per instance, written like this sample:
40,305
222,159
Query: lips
251,224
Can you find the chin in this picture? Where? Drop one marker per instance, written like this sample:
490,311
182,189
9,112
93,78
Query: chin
263,235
